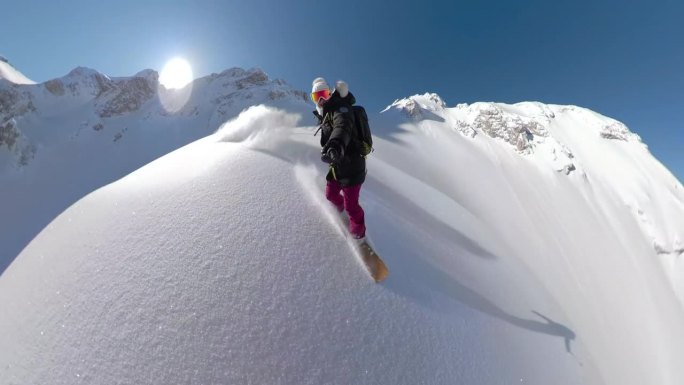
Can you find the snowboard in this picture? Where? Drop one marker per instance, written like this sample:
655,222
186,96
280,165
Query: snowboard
375,266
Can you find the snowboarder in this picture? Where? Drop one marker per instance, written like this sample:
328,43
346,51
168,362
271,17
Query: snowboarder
347,166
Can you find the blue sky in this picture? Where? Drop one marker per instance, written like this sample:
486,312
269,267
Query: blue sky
624,59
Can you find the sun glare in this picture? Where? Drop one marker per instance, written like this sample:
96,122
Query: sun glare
177,73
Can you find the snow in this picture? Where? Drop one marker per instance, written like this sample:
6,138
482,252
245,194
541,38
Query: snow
85,130
9,73
221,262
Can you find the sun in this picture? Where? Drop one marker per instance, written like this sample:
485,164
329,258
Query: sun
176,73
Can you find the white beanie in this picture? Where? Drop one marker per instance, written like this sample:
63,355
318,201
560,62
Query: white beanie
342,88
319,84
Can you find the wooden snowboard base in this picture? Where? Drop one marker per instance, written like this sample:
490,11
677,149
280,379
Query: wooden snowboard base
376,267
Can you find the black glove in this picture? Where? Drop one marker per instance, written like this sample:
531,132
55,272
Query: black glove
332,153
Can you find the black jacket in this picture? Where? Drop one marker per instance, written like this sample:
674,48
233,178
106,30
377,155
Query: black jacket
337,128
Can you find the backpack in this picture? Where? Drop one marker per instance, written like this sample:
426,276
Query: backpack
363,138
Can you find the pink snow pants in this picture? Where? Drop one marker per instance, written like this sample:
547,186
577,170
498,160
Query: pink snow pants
347,198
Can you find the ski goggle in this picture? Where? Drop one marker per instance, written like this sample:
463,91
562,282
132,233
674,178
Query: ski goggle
318,95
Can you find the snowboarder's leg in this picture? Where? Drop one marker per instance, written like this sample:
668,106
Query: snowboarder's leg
332,193
357,225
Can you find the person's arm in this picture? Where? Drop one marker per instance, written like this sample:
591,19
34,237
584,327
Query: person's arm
333,150
341,131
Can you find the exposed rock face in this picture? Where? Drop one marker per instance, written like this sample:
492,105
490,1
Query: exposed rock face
55,87
256,78
8,134
15,143
618,131
127,96
14,100
516,130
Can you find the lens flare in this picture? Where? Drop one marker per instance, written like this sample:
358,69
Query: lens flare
175,84
176,74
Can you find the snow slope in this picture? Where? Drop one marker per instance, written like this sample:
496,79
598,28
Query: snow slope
516,246
11,74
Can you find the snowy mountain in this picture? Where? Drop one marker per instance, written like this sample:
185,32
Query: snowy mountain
62,139
526,243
